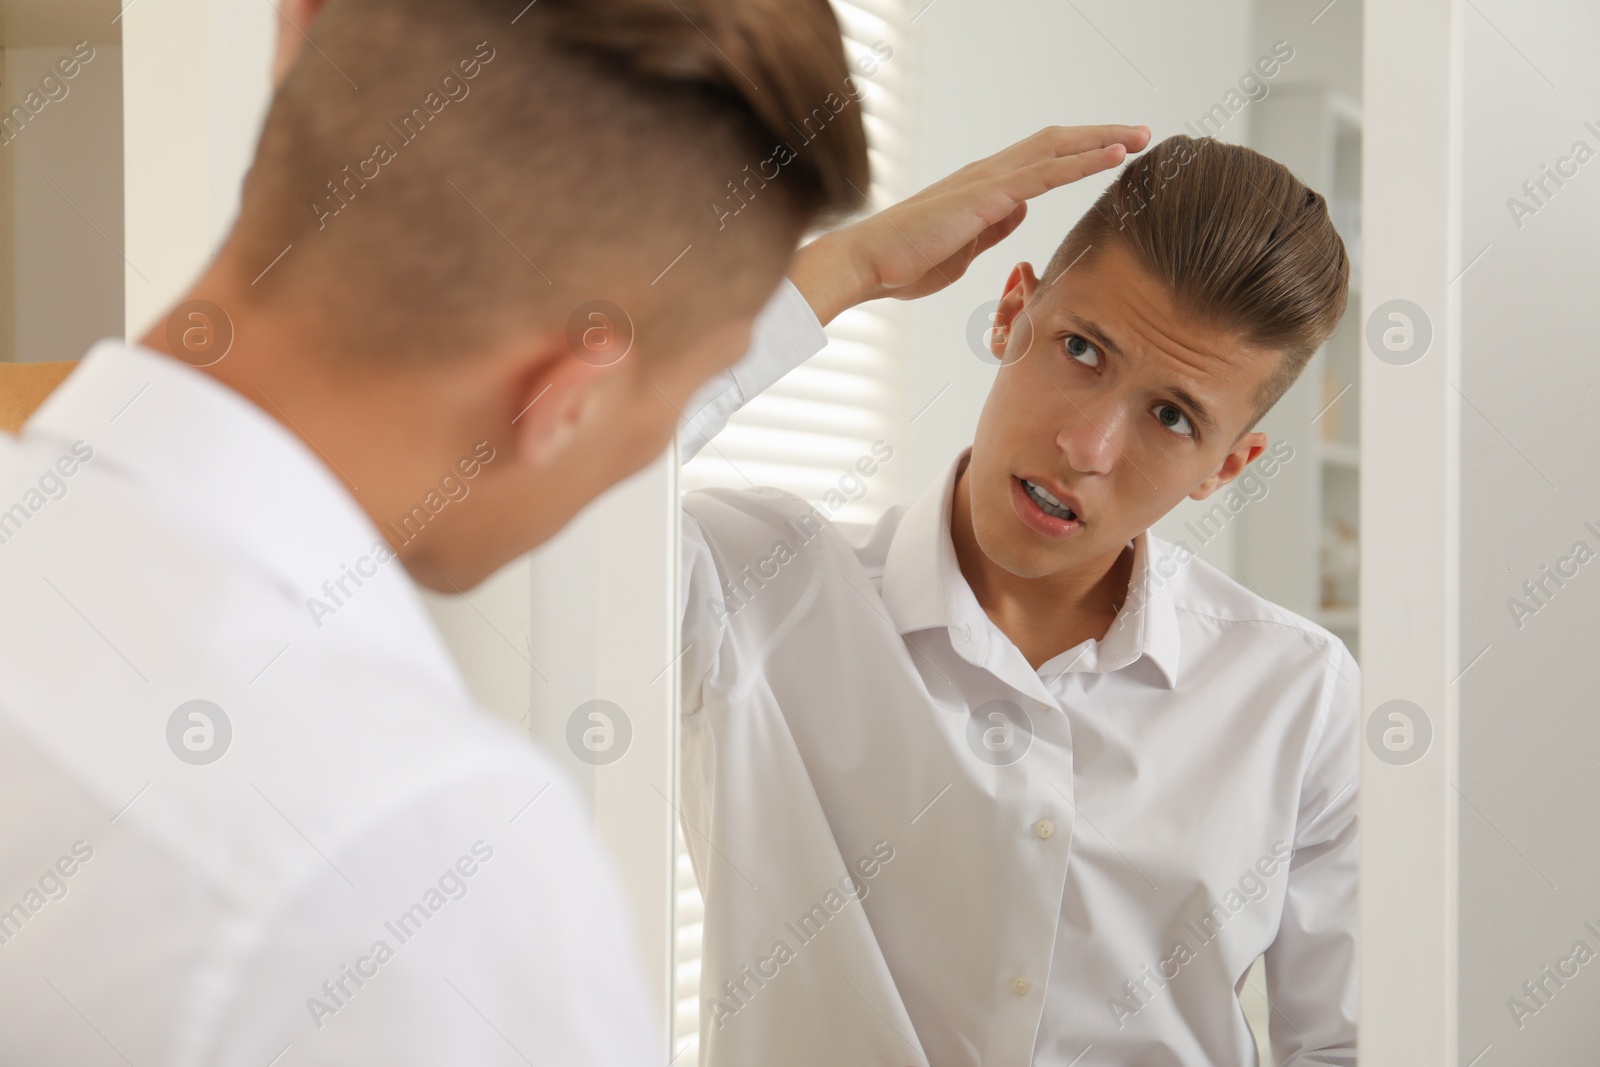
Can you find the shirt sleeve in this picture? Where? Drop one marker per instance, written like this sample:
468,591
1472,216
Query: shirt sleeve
786,334
705,614
1312,965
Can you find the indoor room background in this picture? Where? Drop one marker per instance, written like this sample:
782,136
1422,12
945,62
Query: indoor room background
1427,489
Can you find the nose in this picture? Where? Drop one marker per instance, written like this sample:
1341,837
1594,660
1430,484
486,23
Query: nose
1089,433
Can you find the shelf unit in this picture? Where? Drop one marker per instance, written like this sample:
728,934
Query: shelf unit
1298,547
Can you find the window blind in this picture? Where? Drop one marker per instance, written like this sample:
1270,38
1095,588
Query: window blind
806,432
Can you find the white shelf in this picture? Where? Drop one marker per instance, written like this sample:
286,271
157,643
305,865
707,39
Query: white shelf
1316,132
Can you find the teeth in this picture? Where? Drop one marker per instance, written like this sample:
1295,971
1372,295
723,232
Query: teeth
1039,489
1047,503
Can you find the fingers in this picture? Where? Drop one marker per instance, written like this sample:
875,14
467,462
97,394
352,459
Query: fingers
956,219
1053,141
1053,173
1095,147
1056,156
1001,195
1072,140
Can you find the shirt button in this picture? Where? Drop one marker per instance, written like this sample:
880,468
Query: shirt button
1020,985
1044,828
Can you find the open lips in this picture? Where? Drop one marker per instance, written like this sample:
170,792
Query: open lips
1051,512
1048,503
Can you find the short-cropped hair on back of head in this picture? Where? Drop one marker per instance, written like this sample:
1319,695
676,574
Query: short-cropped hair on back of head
1240,242
438,174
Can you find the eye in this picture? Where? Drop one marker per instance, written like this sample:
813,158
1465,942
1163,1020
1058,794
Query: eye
1172,418
1077,347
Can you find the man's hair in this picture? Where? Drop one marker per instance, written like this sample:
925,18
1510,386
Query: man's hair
1240,241
437,173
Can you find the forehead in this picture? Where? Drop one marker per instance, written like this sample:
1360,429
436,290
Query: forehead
1133,317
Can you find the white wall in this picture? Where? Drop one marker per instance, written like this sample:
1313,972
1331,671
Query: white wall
1530,738
1326,38
196,85
1410,557
993,74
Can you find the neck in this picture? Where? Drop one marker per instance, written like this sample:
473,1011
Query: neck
365,427
1047,615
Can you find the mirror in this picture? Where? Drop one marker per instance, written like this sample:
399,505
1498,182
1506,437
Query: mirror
927,818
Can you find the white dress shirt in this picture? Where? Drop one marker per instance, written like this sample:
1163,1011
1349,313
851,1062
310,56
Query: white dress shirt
915,848
373,871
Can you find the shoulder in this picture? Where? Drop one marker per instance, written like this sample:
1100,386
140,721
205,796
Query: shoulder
1209,598
747,523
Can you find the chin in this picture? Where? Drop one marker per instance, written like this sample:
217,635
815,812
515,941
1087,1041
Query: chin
1017,550
451,576
444,580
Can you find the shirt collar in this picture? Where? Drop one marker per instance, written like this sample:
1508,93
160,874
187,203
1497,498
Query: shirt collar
923,588
216,460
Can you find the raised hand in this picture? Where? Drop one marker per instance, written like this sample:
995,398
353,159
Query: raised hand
928,240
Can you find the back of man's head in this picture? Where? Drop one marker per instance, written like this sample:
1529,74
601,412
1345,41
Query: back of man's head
445,171
1239,240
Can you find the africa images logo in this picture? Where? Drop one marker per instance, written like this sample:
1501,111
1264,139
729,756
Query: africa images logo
199,732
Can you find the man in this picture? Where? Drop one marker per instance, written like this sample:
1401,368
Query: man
253,815
1001,778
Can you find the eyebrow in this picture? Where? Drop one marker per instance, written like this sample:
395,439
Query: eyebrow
1201,413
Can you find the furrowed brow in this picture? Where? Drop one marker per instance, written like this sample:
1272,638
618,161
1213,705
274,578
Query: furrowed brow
1093,331
1202,414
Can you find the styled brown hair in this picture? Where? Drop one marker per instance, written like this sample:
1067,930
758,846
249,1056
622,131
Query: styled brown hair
434,173
1241,242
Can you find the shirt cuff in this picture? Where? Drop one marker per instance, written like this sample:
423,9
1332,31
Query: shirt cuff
786,334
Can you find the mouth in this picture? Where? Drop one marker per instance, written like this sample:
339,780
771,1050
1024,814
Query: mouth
1042,510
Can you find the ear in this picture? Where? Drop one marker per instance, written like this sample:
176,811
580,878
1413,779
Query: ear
553,395
1012,335
1244,453
294,19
